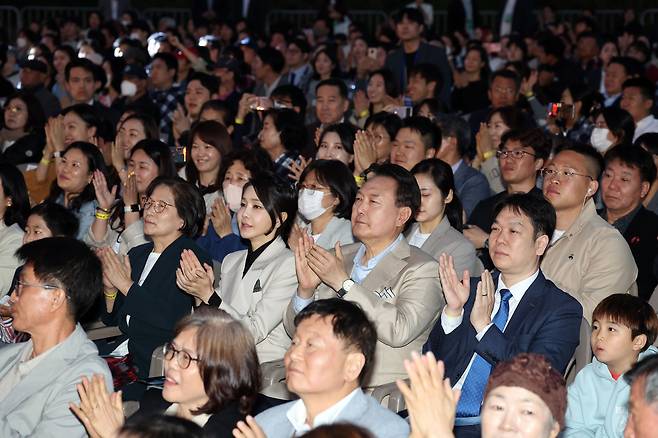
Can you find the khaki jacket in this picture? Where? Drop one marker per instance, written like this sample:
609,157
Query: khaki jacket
402,296
591,261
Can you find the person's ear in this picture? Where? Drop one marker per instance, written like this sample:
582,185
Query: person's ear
91,132
404,214
346,105
58,299
541,243
449,198
354,363
639,342
593,187
430,152
539,164
644,189
8,201
432,87
555,430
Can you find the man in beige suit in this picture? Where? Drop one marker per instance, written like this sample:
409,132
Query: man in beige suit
396,284
587,257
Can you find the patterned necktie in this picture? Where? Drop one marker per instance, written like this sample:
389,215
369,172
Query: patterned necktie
476,380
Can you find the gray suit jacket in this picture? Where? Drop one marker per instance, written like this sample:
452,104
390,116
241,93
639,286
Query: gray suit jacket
472,187
337,230
39,405
401,296
361,410
445,239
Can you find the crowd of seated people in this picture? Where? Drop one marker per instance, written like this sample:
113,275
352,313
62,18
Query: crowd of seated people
258,233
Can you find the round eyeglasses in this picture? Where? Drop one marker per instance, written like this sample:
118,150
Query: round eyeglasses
158,206
182,357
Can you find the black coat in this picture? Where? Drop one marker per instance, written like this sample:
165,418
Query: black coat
641,236
27,149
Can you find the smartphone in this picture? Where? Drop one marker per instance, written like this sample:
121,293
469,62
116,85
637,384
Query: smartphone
403,111
372,52
261,104
561,110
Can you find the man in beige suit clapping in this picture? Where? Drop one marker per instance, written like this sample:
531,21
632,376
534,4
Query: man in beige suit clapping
394,283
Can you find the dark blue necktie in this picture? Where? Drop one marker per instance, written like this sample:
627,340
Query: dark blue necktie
476,380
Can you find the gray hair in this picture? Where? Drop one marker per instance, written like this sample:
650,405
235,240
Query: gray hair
647,368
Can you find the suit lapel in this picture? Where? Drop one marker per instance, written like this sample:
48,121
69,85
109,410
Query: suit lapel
388,267
527,304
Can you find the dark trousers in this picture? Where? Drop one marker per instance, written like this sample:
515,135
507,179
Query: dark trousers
468,431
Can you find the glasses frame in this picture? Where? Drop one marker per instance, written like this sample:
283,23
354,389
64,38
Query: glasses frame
516,154
556,173
158,206
21,284
183,358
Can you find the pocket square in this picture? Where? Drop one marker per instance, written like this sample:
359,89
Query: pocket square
386,292
257,287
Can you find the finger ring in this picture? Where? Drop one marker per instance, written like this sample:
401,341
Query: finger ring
484,295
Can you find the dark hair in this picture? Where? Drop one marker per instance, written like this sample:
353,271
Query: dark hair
272,57
188,202
277,197
552,45
390,83
646,87
331,54
441,174
455,126
484,58
66,49
60,221
346,132
593,159
512,116
429,133
619,122
641,47
589,98
389,121
633,312
333,82
95,161
429,72
216,135
79,273
228,362
254,160
87,113
160,426
160,153
533,138
339,179
517,41
170,61
506,74
338,430
411,14
350,324
634,157
295,94
290,125
649,141
407,193
151,130
209,82
219,106
36,118
82,63
646,371
540,212
631,66
14,187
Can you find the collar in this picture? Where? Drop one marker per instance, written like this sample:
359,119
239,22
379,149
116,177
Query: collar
623,222
520,288
200,419
586,215
297,414
645,121
302,70
376,259
456,166
268,90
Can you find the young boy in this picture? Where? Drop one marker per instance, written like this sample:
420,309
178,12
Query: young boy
623,330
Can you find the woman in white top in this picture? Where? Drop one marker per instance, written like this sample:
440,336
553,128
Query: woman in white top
256,284
14,210
326,194
209,144
438,225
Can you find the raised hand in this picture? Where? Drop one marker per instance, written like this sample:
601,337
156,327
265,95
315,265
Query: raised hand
327,266
55,133
130,194
365,151
101,413
116,270
484,302
104,197
296,169
248,429
483,141
307,279
456,292
193,278
220,216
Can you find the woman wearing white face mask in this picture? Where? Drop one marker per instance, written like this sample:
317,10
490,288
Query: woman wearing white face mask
222,236
612,126
326,194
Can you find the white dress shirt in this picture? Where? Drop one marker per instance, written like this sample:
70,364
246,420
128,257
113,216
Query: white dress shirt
450,323
297,414
647,124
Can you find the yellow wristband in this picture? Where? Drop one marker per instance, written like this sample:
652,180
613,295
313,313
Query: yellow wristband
110,295
359,180
102,216
488,154
45,161
364,113
239,121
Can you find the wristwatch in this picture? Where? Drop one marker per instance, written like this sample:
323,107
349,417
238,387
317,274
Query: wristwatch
132,208
345,288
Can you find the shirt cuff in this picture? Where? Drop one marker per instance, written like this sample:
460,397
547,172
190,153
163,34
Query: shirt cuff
450,323
298,303
483,332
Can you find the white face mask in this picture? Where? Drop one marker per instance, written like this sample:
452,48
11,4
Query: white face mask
135,36
232,196
21,42
128,88
600,139
309,203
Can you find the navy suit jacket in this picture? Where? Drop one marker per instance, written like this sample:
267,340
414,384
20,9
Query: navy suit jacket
546,321
472,187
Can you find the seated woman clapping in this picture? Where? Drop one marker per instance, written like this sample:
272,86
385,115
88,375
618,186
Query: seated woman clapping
212,378
255,284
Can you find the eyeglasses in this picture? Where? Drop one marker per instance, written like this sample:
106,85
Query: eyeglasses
14,109
158,206
21,284
517,154
557,174
182,357
502,90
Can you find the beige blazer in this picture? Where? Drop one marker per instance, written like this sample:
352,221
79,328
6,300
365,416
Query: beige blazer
591,261
402,296
11,238
445,239
260,297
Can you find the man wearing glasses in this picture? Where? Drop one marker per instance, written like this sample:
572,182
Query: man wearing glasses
587,257
522,154
38,378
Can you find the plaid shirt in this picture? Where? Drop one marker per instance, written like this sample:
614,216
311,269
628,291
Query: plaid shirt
166,101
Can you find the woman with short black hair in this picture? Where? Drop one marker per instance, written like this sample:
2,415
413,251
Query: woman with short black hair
14,209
